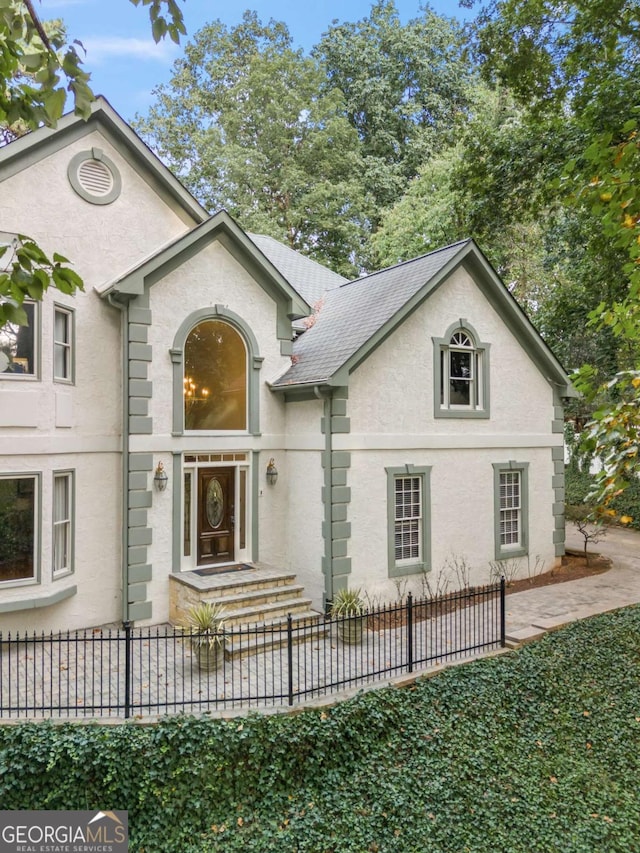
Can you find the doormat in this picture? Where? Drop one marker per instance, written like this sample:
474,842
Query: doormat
220,570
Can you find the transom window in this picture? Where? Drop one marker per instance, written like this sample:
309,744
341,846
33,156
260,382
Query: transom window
18,346
215,378
461,374
18,503
459,367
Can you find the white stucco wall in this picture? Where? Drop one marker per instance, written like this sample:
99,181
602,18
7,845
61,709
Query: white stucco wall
215,277
400,371
304,486
462,516
97,545
391,411
46,426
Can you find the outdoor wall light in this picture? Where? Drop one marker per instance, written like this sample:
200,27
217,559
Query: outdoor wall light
272,472
160,478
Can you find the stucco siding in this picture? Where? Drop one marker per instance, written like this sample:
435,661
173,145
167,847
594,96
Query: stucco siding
461,511
102,241
212,277
392,391
97,546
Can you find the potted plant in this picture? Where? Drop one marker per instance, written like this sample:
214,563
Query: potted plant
349,609
205,627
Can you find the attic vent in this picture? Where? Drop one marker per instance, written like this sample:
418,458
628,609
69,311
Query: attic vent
94,177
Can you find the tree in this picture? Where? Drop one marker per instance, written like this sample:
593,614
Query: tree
38,66
583,57
614,432
244,123
404,88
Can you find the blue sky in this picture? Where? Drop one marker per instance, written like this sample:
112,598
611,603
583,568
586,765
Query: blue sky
126,64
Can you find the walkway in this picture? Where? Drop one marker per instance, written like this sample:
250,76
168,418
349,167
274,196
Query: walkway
531,613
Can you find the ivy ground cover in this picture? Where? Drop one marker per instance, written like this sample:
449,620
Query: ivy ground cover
534,751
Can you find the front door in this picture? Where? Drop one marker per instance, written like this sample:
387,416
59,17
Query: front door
216,502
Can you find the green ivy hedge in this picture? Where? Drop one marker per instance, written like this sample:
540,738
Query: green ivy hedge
531,752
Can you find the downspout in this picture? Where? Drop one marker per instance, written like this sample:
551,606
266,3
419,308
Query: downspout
328,538
111,298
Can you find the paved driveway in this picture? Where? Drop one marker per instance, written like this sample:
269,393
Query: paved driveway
534,611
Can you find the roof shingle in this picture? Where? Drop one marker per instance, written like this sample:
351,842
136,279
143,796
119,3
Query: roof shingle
355,311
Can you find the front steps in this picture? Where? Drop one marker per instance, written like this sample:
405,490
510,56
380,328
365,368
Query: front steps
259,598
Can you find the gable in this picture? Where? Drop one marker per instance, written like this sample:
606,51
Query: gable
34,147
360,315
222,228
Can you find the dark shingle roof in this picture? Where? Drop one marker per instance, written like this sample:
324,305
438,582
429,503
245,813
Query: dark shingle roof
353,313
308,277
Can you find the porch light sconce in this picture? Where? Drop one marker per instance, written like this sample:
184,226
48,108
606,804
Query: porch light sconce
272,472
160,478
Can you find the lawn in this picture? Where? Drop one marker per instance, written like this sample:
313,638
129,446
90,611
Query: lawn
533,751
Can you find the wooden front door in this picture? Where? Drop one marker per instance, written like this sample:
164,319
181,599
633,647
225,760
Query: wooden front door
216,509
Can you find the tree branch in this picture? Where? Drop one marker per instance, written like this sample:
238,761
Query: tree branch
36,22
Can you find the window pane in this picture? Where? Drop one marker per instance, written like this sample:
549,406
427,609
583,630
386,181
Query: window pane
61,523
510,508
62,344
460,378
215,378
17,346
408,513
187,514
17,525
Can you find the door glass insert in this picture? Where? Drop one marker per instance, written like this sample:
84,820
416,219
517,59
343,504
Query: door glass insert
215,504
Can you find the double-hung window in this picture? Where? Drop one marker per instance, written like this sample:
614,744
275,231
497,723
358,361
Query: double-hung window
408,514
19,346
511,509
461,373
19,496
62,523
62,344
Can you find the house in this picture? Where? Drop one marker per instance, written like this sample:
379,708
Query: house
167,421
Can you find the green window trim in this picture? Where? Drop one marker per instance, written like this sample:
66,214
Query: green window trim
254,364
480,350
505,551
69,345
69,536
400,569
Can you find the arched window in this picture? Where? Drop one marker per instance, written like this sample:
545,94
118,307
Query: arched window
461,378
215,377
460,386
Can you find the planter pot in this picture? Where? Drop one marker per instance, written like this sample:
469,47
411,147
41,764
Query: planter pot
209,658
350,630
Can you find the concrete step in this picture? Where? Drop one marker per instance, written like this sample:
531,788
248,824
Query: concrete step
237,583
267,612
307,625
256,596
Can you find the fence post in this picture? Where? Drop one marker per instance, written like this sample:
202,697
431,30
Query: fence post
410,631
127,668
503,617
290,656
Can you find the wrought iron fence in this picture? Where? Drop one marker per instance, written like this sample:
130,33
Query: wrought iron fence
148,671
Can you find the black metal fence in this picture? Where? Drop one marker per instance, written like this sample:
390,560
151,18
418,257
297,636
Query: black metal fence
149,671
